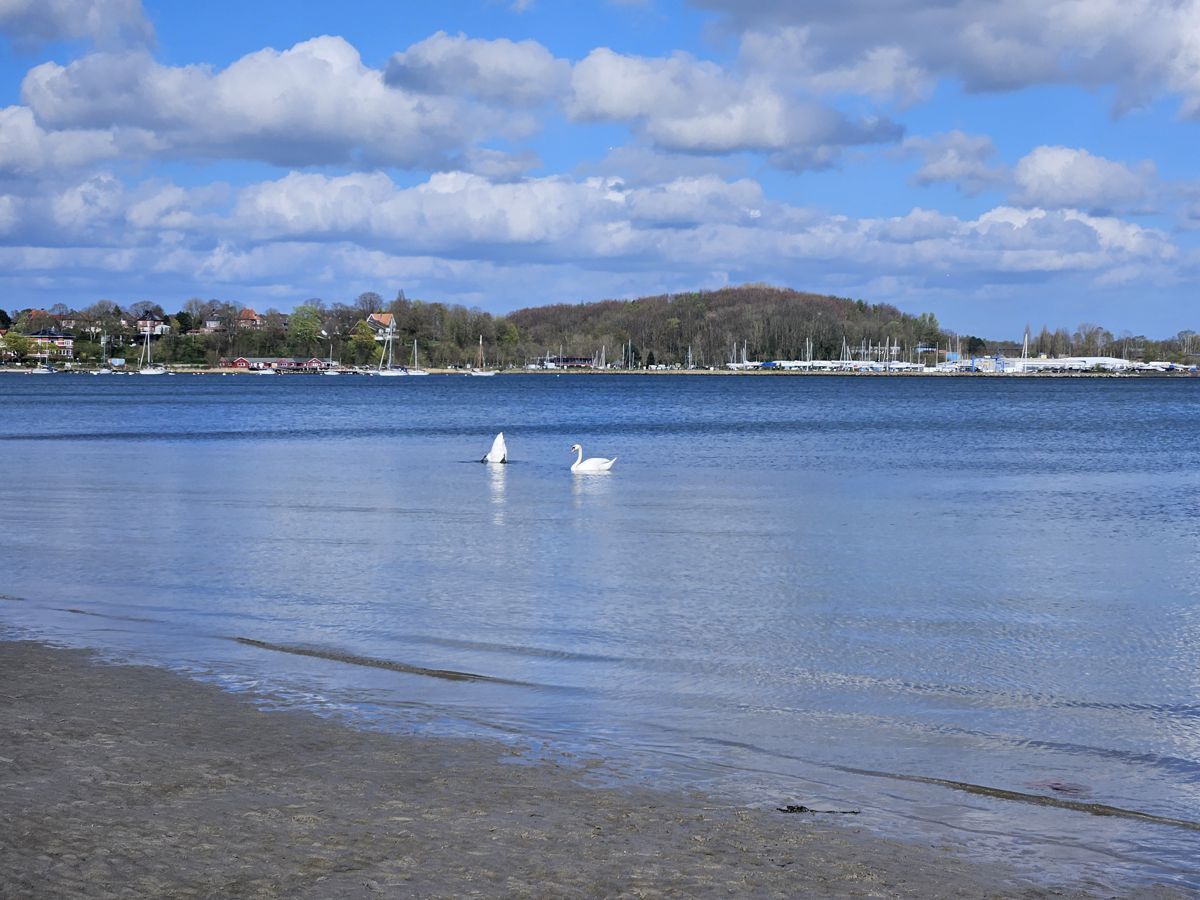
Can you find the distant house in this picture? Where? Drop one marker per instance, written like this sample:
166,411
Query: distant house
382,324
247,362
149,323
51,343
212,325
569,362
279,363
248,318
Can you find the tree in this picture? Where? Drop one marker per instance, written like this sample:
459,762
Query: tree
139,309
367,303
17,344
5,321
975,346
304,328
362,342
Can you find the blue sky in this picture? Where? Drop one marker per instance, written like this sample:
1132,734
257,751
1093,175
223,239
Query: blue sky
1000,164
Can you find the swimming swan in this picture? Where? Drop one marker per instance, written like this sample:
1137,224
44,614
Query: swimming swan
499,451
590,466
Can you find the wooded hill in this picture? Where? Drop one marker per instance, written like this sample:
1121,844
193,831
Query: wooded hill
772,323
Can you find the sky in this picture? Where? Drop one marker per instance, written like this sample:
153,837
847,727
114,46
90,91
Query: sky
1000,164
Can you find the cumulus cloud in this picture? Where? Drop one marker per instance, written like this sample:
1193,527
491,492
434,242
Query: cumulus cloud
516,73
1142,47
688,105
639,165
107,23
884,72
26,149
963,160
1064,177
316,103
293,229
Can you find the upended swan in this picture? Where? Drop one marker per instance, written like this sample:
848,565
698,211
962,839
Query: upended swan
499,451
592,465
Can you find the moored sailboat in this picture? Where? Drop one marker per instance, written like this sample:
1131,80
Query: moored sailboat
145,362
479,371
386,351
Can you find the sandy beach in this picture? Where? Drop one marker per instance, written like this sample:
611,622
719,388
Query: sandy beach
123,781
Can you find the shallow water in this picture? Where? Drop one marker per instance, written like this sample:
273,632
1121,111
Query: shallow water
893,595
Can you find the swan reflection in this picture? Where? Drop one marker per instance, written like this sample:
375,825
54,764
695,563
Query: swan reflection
591,487
496,476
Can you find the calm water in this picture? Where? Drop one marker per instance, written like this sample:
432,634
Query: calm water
789,590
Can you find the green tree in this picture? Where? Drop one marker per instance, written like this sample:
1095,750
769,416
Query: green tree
362,343
18,345
5,321
304,329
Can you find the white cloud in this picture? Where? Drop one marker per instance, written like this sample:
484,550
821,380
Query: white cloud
313,104
304,230
884,72
639,165
1064,177
27,149
107,23
963,160
689,105
1142,47
510,73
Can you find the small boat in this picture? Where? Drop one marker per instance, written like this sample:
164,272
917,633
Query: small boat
499,451
479,371
147,367
414,369
43,369
385,352
263,372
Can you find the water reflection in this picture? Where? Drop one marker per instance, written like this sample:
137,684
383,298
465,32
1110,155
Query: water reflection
594,484
496,486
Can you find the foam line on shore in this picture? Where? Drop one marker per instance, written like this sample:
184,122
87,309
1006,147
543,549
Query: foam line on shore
981,790
87,612
391,665
1095,809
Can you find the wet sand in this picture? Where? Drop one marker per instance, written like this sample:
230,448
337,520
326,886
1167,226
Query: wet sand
123,781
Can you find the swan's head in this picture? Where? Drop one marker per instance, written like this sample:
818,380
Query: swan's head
575,448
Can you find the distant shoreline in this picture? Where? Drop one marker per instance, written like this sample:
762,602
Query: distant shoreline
750,373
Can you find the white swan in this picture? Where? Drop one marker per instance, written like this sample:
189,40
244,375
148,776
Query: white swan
499,451
592,465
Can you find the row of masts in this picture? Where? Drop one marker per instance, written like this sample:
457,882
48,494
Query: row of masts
890,351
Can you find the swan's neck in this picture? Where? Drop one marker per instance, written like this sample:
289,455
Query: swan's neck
579,456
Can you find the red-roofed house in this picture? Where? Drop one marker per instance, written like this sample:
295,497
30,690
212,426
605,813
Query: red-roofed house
382,324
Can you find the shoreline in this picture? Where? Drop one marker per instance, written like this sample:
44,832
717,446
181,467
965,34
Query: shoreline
121,780
746,373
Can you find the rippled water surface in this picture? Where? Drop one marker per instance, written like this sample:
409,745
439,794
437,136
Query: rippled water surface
892,595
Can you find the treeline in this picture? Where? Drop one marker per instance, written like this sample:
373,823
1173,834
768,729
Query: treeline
715,327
